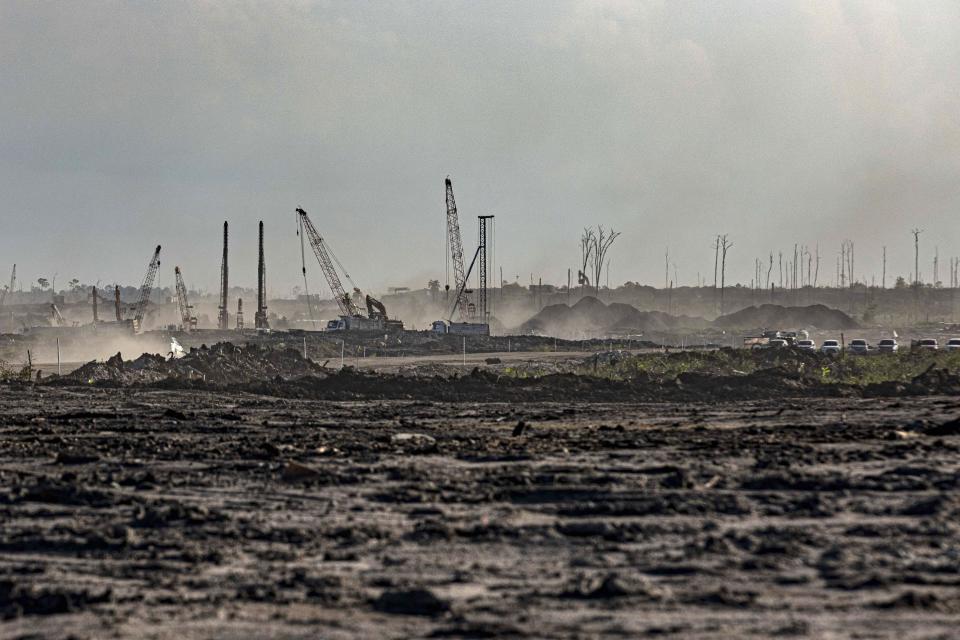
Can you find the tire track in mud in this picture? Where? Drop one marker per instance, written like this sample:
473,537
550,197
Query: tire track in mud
194,515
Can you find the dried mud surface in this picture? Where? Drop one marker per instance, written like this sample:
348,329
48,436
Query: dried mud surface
190,514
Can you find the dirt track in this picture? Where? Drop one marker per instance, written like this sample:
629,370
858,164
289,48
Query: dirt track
175,514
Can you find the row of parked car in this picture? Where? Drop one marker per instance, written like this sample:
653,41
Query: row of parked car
859,346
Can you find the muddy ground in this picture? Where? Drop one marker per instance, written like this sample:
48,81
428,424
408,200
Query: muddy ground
190,514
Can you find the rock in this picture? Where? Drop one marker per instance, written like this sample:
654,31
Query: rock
951,428
415,438
411,602
519,429
296,472
76,457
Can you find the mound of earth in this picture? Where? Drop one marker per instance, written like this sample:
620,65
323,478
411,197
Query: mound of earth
590,316
221,364
780,317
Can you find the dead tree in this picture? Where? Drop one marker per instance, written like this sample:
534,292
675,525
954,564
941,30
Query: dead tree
883,278
816,273
716,262
916,256
724,246
601,244
769,269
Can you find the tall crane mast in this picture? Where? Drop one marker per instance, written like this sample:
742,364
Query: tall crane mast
186,317
146,289
456,251
347,305
223,319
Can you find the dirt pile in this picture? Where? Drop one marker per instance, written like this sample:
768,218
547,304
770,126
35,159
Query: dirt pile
221,364
590,316
775,316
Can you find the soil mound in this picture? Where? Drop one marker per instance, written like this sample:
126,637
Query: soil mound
777,316
590,316
221,364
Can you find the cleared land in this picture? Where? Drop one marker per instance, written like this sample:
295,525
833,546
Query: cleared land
185,514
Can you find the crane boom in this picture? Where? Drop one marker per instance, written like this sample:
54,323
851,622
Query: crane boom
146,289
189,322
456,251
347,306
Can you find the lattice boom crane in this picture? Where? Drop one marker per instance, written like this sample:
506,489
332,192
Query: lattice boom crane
456,251
186,317
347,306
146,289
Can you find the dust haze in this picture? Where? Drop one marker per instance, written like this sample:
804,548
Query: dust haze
130,124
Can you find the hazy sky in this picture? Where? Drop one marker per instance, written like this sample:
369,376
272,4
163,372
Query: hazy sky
125,125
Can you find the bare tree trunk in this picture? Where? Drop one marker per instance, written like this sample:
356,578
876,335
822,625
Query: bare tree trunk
725,245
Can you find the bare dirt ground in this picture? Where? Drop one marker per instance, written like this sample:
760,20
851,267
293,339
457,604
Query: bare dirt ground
192,514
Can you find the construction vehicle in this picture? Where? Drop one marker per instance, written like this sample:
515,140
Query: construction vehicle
351,317
146,288
187,319
376,310
461,304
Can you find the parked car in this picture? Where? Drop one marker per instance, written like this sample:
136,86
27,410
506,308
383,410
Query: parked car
859,346
806,345
953,344
888,345
778,343
928,344
831,347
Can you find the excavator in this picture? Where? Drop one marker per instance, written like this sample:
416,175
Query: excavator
351,317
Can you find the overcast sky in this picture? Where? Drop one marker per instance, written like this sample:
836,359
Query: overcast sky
125,125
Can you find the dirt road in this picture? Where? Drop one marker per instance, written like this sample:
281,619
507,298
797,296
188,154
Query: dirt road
157,514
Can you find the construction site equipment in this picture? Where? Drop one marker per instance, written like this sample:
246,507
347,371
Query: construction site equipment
351,318
223,319
482,252
145,290
347,306
260,318
9,290
187,319
239,314
456,252
377,311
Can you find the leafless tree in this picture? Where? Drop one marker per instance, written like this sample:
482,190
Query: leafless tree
716,263
724,246
916,256
816,273
769,269
601,244
883,278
